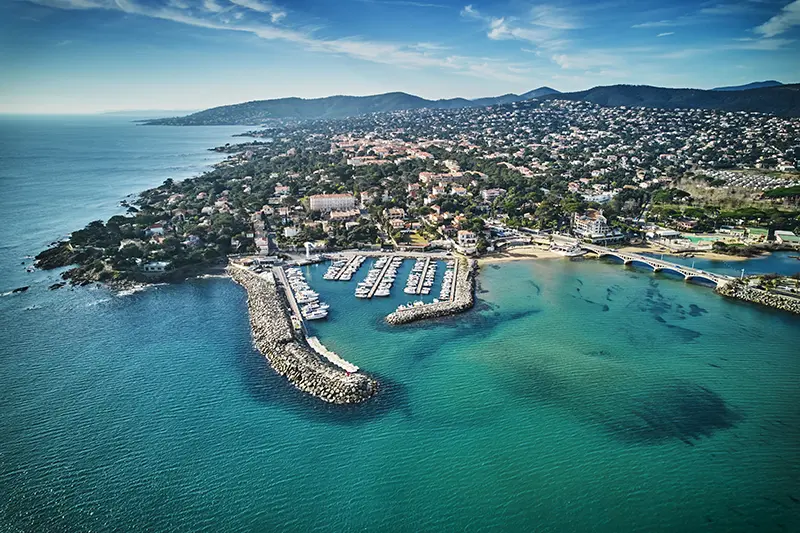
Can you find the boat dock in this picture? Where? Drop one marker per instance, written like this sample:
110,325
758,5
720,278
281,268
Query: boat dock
345,267
380,277
331,356
280,275
422,275
455,281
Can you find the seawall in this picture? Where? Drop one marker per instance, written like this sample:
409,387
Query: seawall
740,291
286,350
464,298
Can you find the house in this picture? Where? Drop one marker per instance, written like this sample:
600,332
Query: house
394,213
397,223
290,231
467,241
344,216
155,267
155,229
281,190
490,195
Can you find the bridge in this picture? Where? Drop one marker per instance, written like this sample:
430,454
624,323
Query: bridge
658,265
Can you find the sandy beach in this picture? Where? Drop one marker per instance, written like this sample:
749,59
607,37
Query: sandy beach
519,253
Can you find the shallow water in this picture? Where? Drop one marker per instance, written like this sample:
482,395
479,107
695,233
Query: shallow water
576,396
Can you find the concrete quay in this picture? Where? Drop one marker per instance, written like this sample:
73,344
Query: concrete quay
462,297
287,350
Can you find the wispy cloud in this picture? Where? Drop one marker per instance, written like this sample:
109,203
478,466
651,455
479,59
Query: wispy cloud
261,6
787,18
660,24
543,25
409,3
665,34
218,15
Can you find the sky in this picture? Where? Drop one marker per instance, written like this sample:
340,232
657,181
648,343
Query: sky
86,56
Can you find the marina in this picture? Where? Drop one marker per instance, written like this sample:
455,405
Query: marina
343,269
302,295
380,278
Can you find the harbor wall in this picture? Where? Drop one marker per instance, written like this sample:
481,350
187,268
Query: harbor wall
740,291
287,351
464,298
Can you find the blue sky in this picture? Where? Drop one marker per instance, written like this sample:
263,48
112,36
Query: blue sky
76,56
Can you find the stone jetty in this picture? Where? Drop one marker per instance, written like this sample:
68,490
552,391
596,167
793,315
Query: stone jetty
287,350
740,291
463,298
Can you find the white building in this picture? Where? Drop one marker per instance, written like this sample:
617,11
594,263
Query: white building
594,226
155,267
332,202
467,242
290,231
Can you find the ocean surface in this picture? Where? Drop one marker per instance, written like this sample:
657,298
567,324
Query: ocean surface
578,395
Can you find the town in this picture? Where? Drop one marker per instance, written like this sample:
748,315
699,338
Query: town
474,181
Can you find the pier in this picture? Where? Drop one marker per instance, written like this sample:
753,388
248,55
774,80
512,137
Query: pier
345,267
455,281
334,358
421,281
319,374
380,277
279,273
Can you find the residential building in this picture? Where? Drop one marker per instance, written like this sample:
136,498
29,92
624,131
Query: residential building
594,226
332,202
467,241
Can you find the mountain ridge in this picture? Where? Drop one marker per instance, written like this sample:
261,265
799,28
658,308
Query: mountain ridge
751,85
781,100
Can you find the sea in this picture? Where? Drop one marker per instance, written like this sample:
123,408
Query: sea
577,396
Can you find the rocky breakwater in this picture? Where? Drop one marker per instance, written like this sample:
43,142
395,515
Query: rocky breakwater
740,291
464,298
287,351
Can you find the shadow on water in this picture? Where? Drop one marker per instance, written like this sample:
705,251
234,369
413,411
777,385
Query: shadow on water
265,386
683,411
633,410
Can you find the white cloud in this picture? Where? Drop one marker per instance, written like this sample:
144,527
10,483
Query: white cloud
657,24
261,6
212,6
544,27
787,18
665,34
414,55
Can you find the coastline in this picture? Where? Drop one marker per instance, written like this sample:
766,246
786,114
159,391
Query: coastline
712,256
519,253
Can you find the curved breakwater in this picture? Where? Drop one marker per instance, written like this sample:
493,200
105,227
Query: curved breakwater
463,299
288,353
738,290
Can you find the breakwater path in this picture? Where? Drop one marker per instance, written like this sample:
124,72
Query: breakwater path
462,297
287,350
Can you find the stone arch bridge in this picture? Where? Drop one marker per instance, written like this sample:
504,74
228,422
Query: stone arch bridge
658,265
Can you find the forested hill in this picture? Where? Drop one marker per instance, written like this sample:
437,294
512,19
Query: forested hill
258,111
782,100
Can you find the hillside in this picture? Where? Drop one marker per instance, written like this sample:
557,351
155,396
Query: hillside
754,85
783,100
258,111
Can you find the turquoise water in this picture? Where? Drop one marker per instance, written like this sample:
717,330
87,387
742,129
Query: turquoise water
577,396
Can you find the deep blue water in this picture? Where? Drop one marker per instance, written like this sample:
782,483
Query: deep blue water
577,396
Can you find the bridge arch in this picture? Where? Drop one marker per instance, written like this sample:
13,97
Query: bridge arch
702,277
642,262
671,269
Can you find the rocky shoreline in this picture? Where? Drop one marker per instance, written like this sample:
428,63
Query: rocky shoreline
738,290
287,351
464,299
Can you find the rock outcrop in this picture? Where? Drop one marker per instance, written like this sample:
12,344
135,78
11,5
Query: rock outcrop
464,299
287,351
740,291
